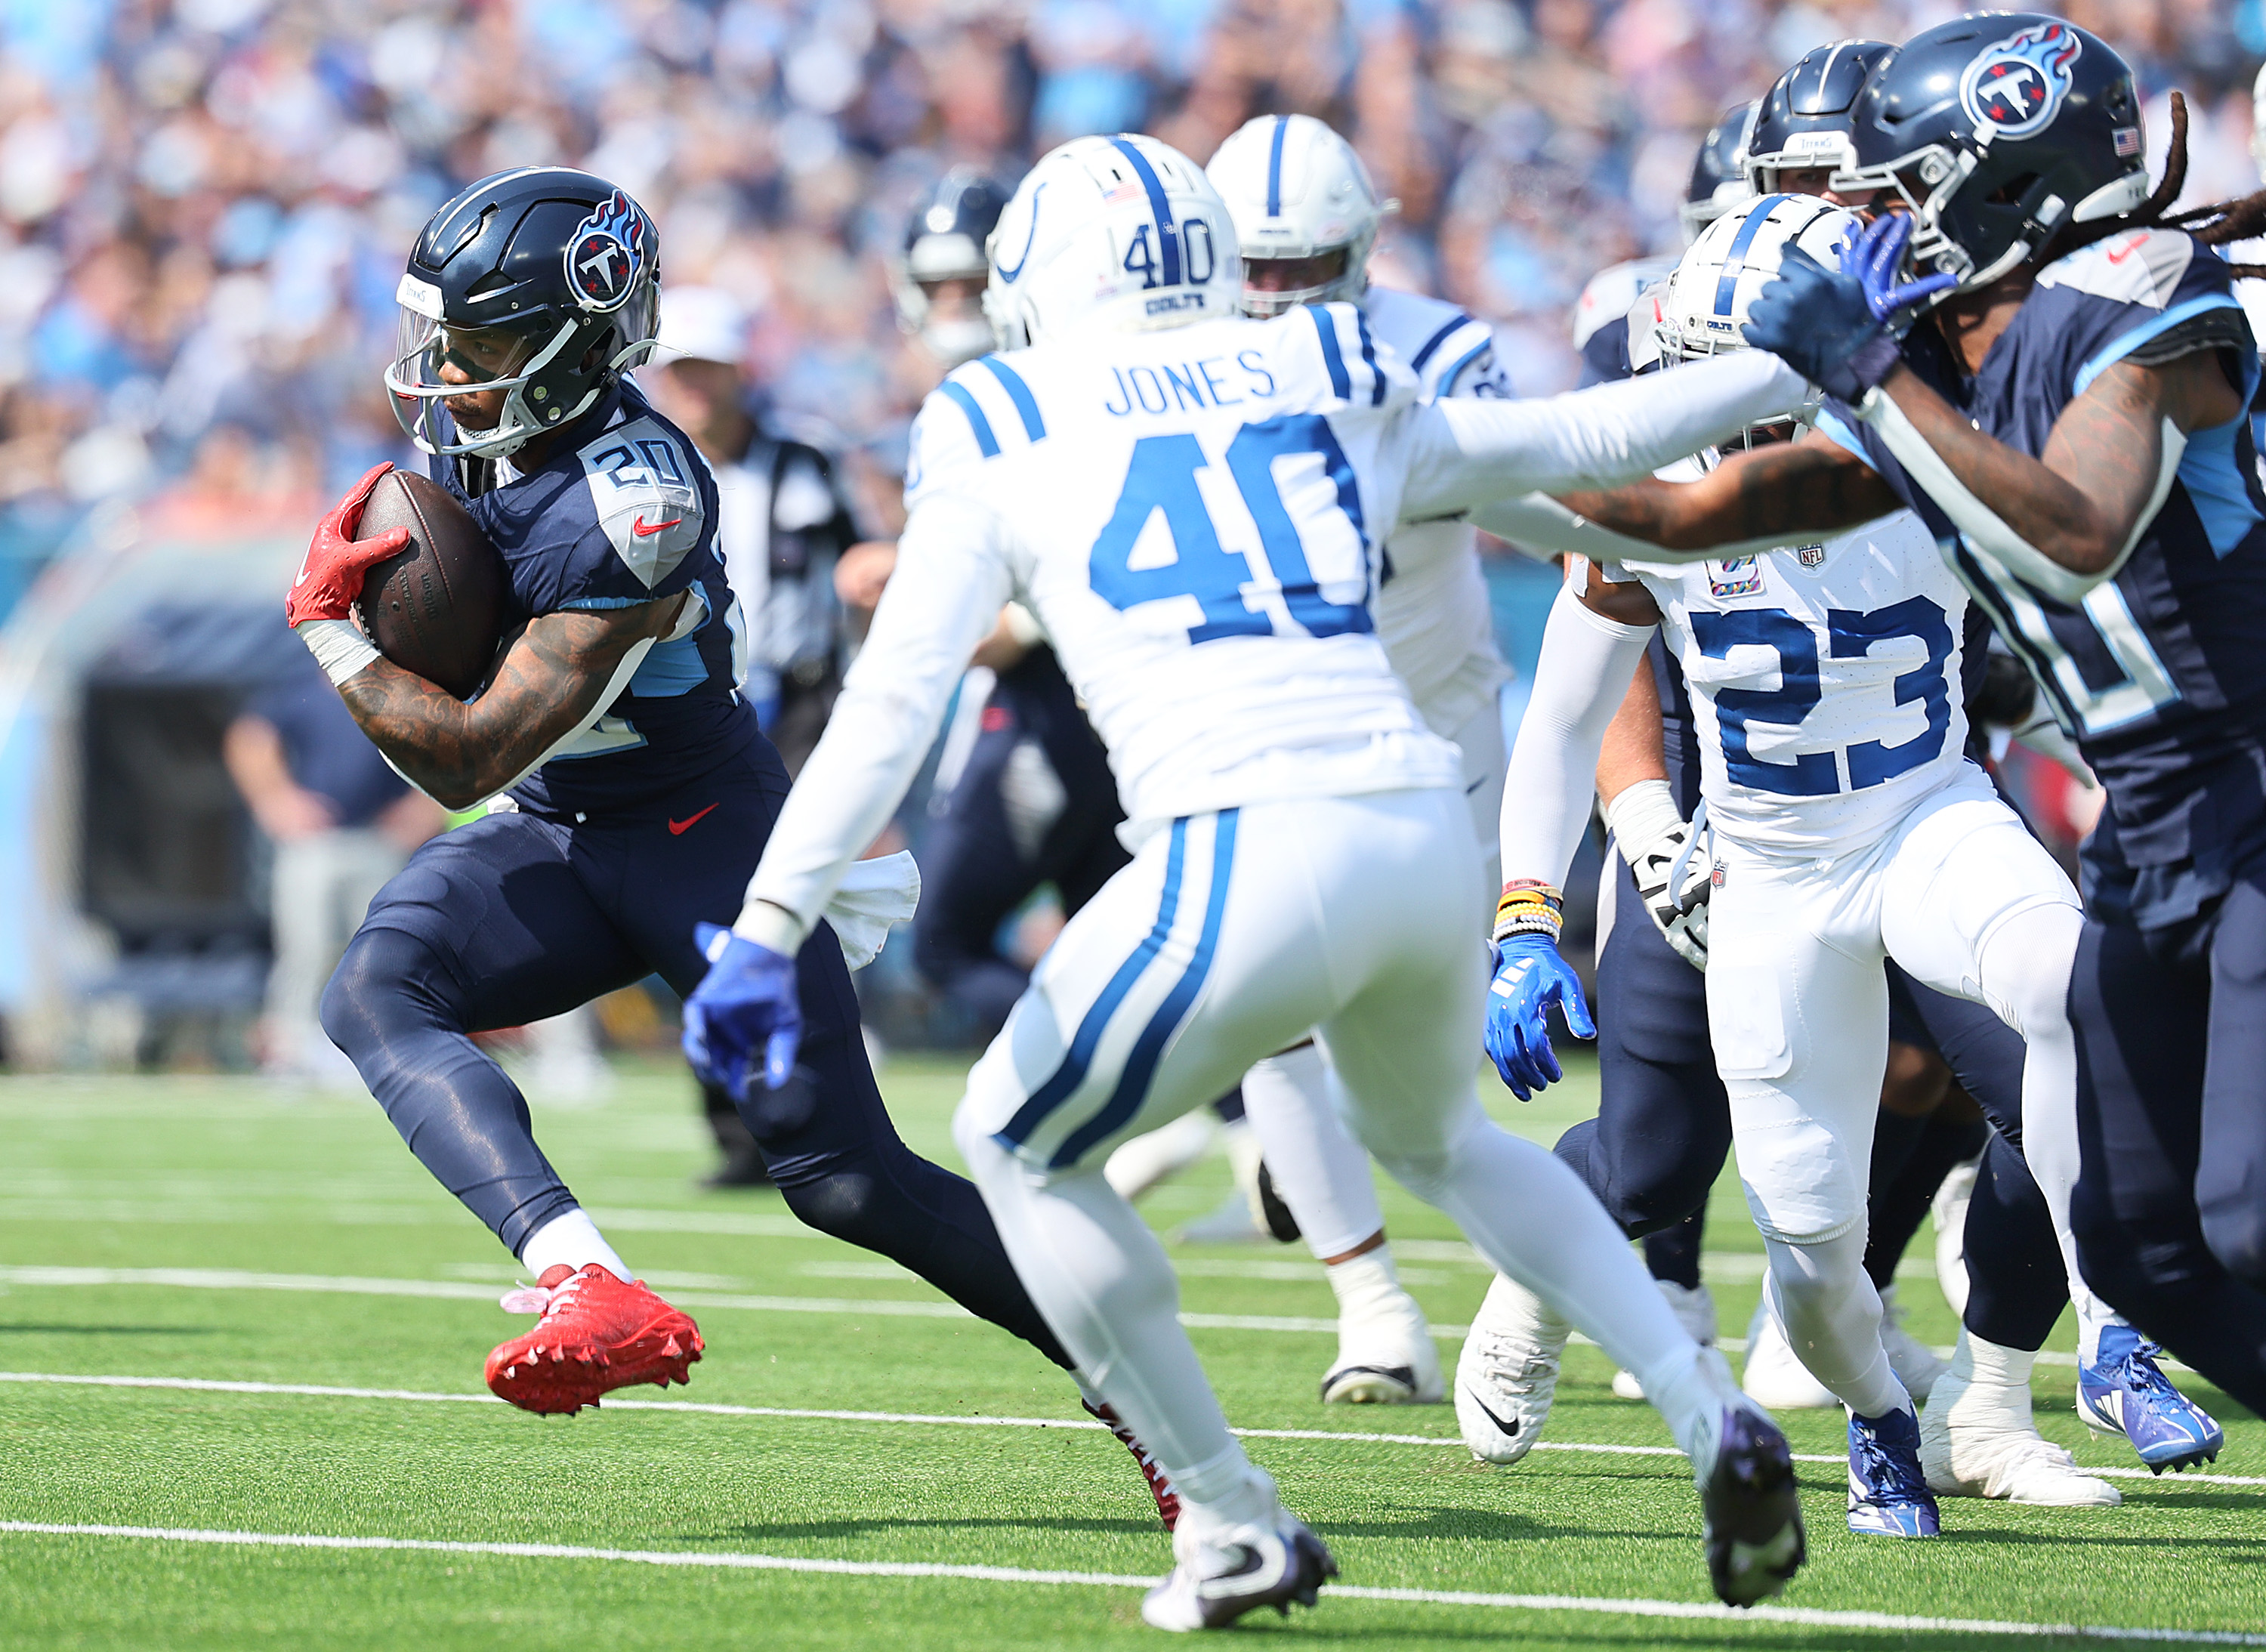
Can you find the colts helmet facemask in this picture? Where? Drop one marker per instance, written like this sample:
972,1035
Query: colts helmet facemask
543,283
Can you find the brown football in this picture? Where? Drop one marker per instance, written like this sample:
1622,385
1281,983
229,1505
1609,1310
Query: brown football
437,608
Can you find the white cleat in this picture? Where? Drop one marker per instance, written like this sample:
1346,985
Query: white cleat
1386,1355
1977,1439
1221,1572
1950,1212
1694,1311
1775,1376
1915,1363
1508,1373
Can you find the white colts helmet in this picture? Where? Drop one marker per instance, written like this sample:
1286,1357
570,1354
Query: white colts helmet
1114,234
1297,190
1704,311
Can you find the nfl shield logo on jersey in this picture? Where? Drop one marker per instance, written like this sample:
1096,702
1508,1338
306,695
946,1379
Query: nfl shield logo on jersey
607,253
1810,556
1741,576
2016,85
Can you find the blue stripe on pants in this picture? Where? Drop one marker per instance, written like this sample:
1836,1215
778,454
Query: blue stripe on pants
1141,1066
1071,1073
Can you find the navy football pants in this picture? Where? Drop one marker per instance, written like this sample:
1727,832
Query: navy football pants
2170,1209
1664,1123
514,918
973,872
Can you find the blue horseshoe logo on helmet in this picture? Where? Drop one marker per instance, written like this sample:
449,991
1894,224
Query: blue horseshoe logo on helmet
1010,275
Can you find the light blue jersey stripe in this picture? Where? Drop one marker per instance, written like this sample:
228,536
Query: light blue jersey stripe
984,439
1019,393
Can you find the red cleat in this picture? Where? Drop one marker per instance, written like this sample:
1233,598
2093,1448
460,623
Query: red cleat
1168,1501
596,1335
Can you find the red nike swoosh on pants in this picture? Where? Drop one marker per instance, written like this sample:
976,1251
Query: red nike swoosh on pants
637,526
678,828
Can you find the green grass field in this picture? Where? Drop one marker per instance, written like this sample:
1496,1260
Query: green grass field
210,1230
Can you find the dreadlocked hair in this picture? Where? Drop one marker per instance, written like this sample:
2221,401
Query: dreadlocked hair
2218,225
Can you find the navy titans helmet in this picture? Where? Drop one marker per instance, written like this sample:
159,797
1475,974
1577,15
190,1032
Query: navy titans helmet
1997,130
1719,172
541,282
1804,121
944,240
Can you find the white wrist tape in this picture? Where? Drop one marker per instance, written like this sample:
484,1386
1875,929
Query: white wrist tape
1641,817
771,926
338,646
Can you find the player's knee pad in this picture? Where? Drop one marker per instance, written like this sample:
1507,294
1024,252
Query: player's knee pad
840,1202
1425,1169
2024,964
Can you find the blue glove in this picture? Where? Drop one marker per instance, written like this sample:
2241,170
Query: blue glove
1833,328
746,1002
1529,977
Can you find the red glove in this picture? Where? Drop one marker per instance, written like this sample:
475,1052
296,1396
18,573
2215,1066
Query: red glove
330,578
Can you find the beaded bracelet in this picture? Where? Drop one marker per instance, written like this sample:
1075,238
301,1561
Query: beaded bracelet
1529,907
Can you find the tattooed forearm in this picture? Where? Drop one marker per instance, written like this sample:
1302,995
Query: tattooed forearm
1787,491
2080,500
548,683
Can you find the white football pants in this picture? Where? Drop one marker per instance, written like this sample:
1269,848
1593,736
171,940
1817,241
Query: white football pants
1321,1173
1965,900
1227,938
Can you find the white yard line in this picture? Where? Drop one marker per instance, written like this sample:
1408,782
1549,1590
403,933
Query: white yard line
739,1561
879,1307
208,1384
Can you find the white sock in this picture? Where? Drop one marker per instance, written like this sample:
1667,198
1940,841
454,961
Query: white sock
1536,1221
1996,1366
1321,1173
2025,971
1367,1285
1103,1282
1833,1320
571,1238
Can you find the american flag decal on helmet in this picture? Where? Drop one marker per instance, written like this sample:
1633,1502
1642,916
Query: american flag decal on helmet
609,250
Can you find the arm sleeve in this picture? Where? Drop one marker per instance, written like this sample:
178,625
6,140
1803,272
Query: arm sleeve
1540,522
1586,664
1465,451
951,580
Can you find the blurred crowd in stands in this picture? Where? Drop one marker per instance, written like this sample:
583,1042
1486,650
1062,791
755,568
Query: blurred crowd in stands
204,204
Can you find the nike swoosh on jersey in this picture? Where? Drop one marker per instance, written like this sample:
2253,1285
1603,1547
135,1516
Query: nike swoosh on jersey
638,525
678,828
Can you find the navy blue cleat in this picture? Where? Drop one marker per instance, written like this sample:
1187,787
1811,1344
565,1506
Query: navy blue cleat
1888,1494
2124,1392
1751,1509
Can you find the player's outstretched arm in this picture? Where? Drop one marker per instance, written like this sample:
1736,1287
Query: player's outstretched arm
561,672
1463,452
2066,520
1754,501
1590,650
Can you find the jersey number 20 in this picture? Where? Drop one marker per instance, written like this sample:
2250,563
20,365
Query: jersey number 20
1163,477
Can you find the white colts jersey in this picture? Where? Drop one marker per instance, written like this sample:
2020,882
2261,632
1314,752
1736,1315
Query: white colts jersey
1432,610
1196,516
1825,682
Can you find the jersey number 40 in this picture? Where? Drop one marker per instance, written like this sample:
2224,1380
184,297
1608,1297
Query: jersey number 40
1162,477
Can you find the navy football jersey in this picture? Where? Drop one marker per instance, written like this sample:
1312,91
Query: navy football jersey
2159,675
625,514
